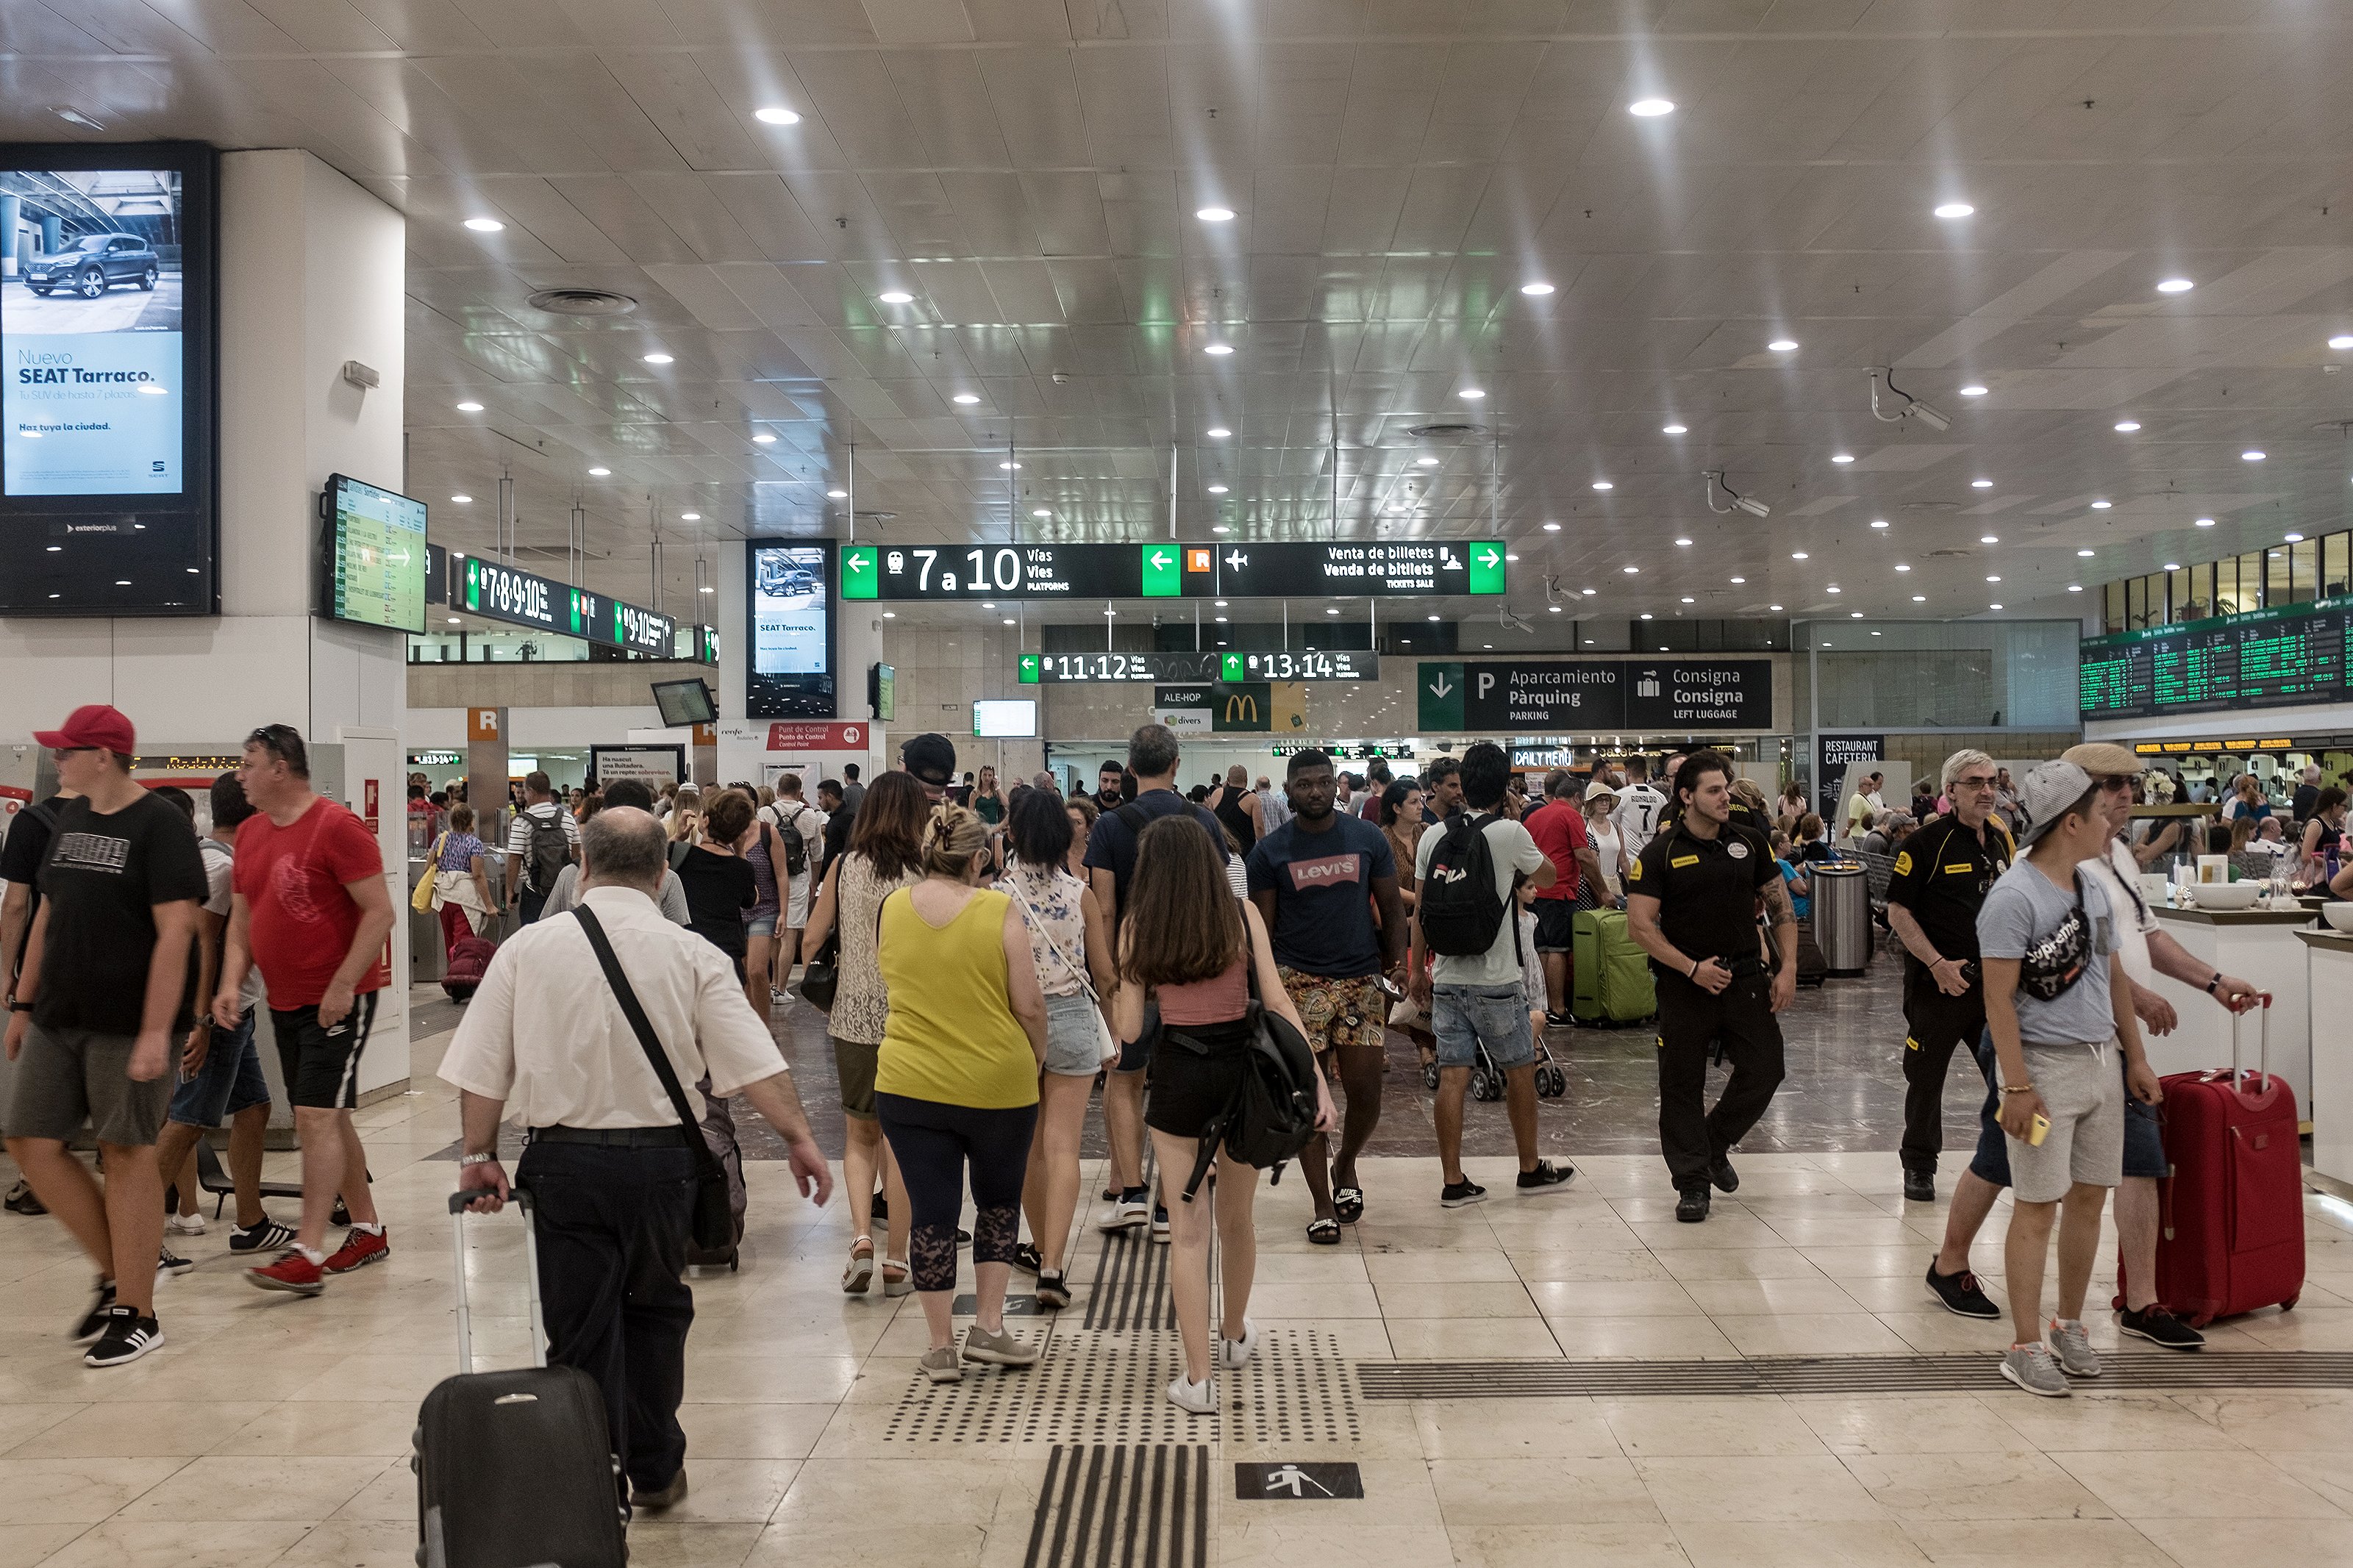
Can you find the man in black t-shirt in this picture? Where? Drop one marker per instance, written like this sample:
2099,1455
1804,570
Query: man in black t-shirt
21,853
101,1004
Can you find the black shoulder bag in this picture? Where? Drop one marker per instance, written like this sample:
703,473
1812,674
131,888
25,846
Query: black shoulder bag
714,1217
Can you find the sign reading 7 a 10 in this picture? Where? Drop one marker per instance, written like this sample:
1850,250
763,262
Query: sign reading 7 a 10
1380,569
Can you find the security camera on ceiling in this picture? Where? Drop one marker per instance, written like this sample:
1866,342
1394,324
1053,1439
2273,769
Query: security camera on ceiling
1714,478
1911,408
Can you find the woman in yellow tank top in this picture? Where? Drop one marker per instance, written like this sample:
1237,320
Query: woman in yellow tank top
955,1083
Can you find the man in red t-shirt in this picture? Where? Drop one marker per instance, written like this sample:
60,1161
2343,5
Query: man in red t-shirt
312,912
1558,828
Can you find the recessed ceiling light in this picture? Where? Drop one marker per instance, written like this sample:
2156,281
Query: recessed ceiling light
775,117
2205,523
893,614
1993,606
2085,554
1041,512
1955,209
1903,566
690,517
1217,489
1646,615
965,398
1435,617
1510,555
1536,288
2176,286
1219,527
987,604
1687,599
1008,464
1650,107
896,296
453,620
1772,606
2252,455
837,495
1215,214
1796,556
599,473
484,224
657,359
1331,610
1631,572
1856,615
1216,432
2172,566
1426,462
1603,485
2126,427
1221,604
2291,538
1739,579
2075,588
470,407
1589,593
1879,522
2101,505
1683,544
1980,484
1988,539
1973,390
461,500
1673,429
1919,598
1556,609
764,439
1552,528
1782,345
1841,457
1835,588
1219,349
1471,393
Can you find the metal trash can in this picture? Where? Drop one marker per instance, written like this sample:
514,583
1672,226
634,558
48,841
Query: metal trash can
1843,918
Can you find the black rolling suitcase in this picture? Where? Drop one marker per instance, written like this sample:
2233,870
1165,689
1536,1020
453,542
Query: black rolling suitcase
514,1468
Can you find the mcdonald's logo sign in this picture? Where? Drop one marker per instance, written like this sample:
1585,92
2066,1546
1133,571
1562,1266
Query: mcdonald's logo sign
1241,707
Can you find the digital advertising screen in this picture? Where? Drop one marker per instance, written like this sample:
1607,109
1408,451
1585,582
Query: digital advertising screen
374,572
684,703
791,659
107,382
1009,719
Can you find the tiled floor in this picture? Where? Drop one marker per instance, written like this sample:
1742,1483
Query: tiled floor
276,1430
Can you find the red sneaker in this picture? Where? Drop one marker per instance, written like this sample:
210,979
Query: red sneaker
360,1247
292,1271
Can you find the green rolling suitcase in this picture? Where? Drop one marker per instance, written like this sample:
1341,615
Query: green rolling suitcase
1611,975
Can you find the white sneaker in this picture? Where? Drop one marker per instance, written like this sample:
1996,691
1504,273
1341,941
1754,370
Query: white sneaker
1234,1354
186,1225
1198,1399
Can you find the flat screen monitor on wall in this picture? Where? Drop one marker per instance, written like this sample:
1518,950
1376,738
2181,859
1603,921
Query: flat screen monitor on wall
108,311
373,566
684,703
789,663
1014,719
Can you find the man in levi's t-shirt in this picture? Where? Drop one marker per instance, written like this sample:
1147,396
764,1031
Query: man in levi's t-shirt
312,912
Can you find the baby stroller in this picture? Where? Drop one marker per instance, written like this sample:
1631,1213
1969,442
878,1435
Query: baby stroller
1487,1079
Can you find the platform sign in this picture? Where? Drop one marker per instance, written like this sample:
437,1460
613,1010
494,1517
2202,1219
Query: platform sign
1171,570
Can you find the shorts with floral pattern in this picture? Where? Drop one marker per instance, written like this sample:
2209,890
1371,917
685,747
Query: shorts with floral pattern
1338,1010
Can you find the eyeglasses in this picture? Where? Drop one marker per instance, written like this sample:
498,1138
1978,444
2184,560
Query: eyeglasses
62,752
1976,781
2114,781
273,735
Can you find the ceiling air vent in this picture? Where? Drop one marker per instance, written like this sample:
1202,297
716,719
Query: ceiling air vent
582,302
1932,506
1444,432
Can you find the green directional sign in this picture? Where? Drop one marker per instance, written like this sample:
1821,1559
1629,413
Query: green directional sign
1233,667
861,571
1438,696
1486,568
1164,571
1029,670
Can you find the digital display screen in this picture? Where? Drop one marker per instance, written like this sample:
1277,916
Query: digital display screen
791,619
1400,568
881,692
1013,719
1294,664
2294,654
375,557
499,592
684,703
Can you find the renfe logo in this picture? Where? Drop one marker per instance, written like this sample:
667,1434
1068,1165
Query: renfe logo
1333,870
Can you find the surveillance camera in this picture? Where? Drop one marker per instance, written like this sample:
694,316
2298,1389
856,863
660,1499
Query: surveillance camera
1929,417
1753,507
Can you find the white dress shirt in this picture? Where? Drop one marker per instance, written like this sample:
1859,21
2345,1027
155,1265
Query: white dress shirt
546,1034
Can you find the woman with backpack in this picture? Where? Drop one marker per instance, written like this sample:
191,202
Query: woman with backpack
1192,949
766,854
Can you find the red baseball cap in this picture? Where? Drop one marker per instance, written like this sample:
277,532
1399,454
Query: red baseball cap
92,724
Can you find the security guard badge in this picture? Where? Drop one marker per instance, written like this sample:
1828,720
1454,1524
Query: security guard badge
1903,864
1737,849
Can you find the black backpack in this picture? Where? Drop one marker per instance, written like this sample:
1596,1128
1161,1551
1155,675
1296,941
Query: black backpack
1459,908
546,850
1271,1115
795,844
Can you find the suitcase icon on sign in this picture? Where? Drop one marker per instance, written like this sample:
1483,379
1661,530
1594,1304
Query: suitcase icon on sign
1647,684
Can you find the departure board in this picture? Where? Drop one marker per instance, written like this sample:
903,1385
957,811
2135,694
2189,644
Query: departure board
2270,659
1387,569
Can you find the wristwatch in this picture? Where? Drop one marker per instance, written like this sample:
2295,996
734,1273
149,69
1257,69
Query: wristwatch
2213,982
478,1159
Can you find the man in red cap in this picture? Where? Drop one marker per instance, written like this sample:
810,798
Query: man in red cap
102,1000
312,912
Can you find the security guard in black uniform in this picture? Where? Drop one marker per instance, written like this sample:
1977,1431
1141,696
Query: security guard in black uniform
1941,879
1691,901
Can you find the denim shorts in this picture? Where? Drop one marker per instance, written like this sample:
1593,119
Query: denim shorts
1466,1016
761,924
2144,1133
229,1081
1073,1047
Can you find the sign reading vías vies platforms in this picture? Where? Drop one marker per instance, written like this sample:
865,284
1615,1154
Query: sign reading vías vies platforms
1588,694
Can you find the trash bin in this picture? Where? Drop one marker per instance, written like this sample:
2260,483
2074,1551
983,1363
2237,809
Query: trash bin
1843,918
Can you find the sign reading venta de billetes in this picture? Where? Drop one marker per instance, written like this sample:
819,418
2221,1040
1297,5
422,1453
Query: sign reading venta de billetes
1588,695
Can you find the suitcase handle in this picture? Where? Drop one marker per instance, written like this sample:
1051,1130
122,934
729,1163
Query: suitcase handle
458,1212
2237,1072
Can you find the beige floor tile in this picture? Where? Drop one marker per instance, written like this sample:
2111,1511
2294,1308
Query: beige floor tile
24,1545
162,1429
387,1378
374,1543
1613,1299
2006,1543
753,1431
2255,1536
667,1543
1647,1339
1244,1543
1908,1293
290,1490
1357,1338
1722,1230
2324,1473
173,1374
1327,1266
1770,1262
1587,1545
1464,1266
1824,1229
327,1428
68,1492
732,1491
2015,1484
1702,1428
1932,1333
20,1423
390,1495
2144,1486
2127,1423
1809,1333
769,1380
1767,1489
1559,1493
1734,1298
1849,1543
170,1543
1471,1339
1615,1263
1870,1262
2299,1420
1915,1424
1513,1429
1464,1298
928,1497
1326,1298
869,1541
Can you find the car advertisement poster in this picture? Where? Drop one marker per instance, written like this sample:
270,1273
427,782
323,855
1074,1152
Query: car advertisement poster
792,631
93,402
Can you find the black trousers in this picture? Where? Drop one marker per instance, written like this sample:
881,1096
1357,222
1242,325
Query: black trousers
936,1145
1936,1025
528,905
1691,1136
612,1227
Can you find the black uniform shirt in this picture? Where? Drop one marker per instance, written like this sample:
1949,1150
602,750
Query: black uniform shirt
1942,877
1706,888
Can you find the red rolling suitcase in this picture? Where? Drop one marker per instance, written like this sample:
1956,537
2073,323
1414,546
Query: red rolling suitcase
2231,1236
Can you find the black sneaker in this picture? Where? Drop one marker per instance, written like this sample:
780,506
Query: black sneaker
1558,1020
1053,1292
1919,1187
2160,1327
1690,1207
1961,1294
169,1262
126,1336
881,1209
21,1199
268,1236
1026,1259
1546,1177
1721,1172
1455,1195
1160,1222
92,1322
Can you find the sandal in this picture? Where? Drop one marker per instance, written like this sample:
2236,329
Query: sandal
860,1270
1348,1203
1324,1232
902,1285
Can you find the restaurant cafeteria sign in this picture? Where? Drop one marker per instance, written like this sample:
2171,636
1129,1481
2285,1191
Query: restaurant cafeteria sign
1692,695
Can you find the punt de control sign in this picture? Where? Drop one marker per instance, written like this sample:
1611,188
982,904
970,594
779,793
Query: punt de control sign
1692,695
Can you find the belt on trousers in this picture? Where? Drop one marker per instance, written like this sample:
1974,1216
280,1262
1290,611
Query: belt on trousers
1742,968
612,1137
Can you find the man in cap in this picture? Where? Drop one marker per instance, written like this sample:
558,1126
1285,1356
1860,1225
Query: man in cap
930,758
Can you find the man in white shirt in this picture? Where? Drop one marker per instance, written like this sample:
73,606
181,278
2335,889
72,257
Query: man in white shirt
1639,804
608,1165
795,887
532,862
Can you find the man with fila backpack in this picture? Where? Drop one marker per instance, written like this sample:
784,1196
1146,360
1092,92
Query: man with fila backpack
542,841
801,827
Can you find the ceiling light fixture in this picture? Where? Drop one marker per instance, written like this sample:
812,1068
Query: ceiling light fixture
1980,484
1589,593
2075,588
1538,289
1687,599
2341,340
2176,286
1219,527
2126,427
1988,539
2252,455
1008,464
1973,390
1836,589
1553,608
1903,566
1673,429
1631,572
657,359
1993,579
1993,606
2291,538
1436,617
967,398
470,407
2205,523
1650,107
2084,553
896,296
775,117
1426,462
484,224
1471,393
1796,556
460,500
1955,209
1856,615
1041,512
1879,522
1603,485
1842,456
1216,432
1772,606
690,517
1215,214
837,495
1782,345
763,439
599,473
2171,566
1738,580
2101,505
1919,598
1552,528
1219,349
1683,544
1217,489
